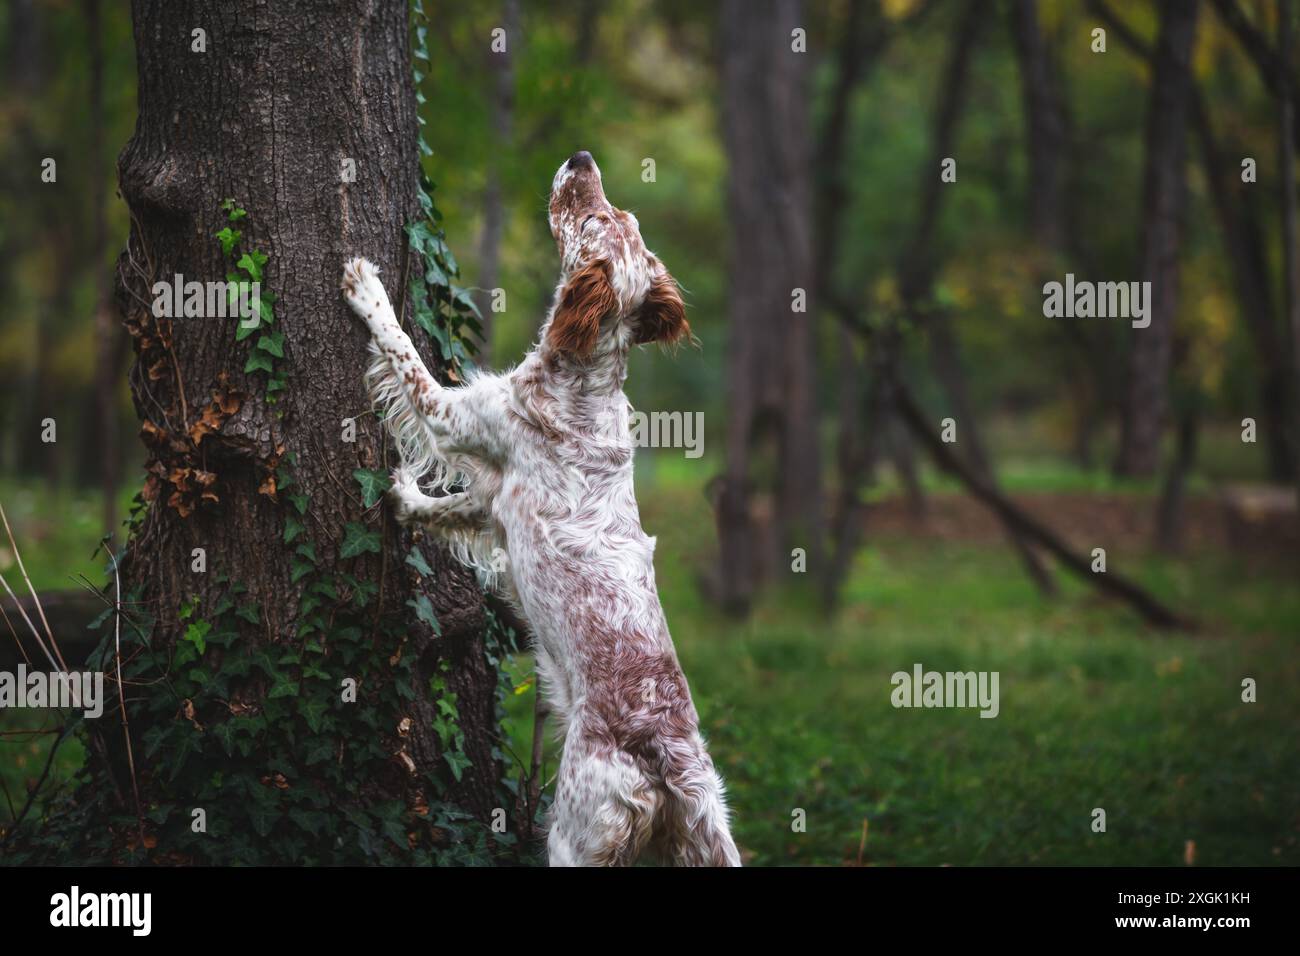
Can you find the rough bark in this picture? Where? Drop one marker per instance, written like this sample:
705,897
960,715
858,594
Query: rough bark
1146,395
769,351
283,94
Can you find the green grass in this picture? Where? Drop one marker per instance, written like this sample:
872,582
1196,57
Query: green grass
1096,711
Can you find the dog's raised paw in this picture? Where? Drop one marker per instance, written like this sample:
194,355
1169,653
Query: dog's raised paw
362,288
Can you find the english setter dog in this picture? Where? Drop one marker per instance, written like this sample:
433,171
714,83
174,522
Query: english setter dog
542,456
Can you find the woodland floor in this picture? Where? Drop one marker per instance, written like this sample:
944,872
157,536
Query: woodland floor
1096,709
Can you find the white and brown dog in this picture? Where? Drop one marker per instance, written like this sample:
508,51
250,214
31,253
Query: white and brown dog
543,456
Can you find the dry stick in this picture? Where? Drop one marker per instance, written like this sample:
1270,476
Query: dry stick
121,697
1148,606
35,633
534,788
14,632
35,597
13,813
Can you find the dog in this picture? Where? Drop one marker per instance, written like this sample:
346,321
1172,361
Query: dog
536,464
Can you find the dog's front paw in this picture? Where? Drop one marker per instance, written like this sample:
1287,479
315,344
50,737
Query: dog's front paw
363,290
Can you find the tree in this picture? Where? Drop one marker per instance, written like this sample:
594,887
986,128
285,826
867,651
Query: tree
263,577
1146,397
772,448
501,68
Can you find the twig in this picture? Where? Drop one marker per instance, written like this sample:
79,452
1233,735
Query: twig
35,597
121,697
31,794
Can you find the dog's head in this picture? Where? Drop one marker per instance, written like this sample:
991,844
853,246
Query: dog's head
610,283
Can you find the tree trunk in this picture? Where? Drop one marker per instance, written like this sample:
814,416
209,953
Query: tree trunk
1291,267
108,334
1044,128
323,588
770,343
1243,241
1169,513
501,66
1147,398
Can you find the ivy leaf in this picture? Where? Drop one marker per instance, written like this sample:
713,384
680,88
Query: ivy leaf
358,539
313,711
252,262
283,687
228,239
259,361
292,528
416,560
424,611
462,299
197,634
300,570
273,343
458,763
373,484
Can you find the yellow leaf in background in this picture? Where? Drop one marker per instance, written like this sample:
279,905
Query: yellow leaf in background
885,292
898,9
523,688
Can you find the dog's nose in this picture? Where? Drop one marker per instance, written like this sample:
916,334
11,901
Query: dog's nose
581,160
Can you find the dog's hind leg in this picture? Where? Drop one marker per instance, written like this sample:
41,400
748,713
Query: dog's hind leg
604,809
447,513
695,829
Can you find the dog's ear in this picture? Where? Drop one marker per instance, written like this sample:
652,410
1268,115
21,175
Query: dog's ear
586,299
662,317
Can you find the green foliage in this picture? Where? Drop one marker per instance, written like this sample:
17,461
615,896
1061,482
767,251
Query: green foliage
250,267
440,307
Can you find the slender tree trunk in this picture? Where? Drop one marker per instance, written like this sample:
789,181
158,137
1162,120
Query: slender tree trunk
770,360
501,66
1169,515
916,271
1292,266
108,333
284,97
1044,128
1147,398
